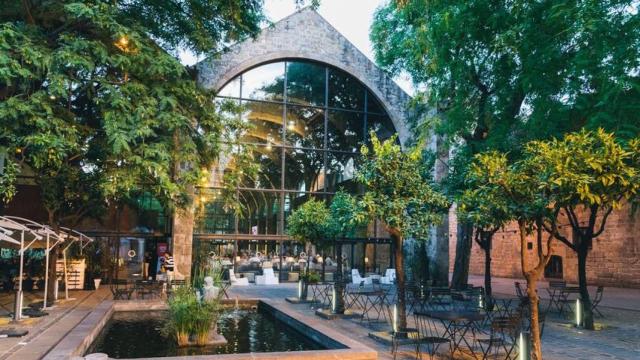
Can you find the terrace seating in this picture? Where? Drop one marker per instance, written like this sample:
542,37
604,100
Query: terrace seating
389,277
237,281
267,278
359,280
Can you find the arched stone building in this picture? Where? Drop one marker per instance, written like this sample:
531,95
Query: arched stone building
280,77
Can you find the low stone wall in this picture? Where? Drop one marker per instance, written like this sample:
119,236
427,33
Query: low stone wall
76,343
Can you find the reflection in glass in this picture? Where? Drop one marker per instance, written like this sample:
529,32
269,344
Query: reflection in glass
304,170
266,120
269,160
265,82
305,83
381,125
373,105
345,92
295,150
305,127
260,210
341,170
210,215
232,89
345,130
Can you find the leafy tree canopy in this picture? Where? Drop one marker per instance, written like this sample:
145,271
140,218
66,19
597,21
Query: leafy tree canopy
399,190
92,99
504,73
308,223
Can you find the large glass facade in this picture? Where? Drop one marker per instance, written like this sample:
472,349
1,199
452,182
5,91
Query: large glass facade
309,121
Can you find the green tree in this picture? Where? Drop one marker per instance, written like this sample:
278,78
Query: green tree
343,223
484,205
95,106
588,174
503,73
399,192
528,205
308,223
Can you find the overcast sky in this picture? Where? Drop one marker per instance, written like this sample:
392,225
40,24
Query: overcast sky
351,17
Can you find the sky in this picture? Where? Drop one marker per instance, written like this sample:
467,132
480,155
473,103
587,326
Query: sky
352,18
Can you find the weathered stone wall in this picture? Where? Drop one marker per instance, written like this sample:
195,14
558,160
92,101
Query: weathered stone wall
613,261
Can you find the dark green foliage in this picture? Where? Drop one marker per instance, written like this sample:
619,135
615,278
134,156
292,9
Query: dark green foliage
97,109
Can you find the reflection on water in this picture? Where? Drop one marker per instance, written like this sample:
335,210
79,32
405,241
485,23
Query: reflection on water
142,334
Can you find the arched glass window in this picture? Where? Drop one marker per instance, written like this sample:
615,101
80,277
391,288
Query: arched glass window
309,121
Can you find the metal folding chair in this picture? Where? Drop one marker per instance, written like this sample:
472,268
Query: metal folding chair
428,335
503,332
596,300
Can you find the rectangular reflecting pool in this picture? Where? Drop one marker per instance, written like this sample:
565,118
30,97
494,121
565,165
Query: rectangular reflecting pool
142,334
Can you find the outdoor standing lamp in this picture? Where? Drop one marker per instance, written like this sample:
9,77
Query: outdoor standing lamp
394,324
523,344
579,311
334,293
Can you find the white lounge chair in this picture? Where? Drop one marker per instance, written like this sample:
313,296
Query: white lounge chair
389,277
267,278
237,281
357,279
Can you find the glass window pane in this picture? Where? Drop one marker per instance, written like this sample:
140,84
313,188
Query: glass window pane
231,89
266,122
345,130
268,159
341,169
381,125
345,91
265,82
373,105
305,127
305,83
260,211
210,215
304,170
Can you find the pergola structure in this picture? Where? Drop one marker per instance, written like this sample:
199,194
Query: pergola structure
27,234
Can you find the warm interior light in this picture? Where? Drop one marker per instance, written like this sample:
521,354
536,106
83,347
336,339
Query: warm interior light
123,41
291,125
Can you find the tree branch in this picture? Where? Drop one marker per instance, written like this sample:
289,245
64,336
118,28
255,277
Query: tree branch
603,223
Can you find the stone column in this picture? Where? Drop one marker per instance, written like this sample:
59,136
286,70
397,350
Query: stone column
438,248
182,242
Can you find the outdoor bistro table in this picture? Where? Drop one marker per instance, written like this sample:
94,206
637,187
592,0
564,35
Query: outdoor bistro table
456,325
367,298
504,306
567,295
321,292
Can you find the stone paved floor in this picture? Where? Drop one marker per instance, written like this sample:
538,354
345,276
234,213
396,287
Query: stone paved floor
46,331
619,340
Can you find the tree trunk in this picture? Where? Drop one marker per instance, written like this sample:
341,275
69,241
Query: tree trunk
460,277
487,272
339,285
399,260
583,252
536,342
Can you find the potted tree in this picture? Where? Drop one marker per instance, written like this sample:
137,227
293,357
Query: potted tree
399,192
308,224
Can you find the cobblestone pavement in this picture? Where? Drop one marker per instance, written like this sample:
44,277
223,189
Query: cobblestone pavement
620,338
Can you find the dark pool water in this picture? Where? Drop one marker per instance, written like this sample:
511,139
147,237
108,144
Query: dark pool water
141,334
